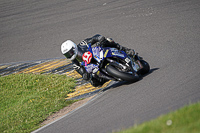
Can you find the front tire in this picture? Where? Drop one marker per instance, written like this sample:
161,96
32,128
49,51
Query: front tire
121,75
146,67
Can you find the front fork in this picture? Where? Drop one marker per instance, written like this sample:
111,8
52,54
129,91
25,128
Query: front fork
135,63
132,64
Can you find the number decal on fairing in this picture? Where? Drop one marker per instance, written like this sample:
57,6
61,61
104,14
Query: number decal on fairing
87,57
127,60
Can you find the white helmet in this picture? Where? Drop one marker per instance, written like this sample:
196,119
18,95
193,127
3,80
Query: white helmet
69,49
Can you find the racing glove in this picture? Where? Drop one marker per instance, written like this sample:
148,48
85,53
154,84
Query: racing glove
128,51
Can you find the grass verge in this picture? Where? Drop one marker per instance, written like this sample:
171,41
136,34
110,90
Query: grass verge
184,120
28,99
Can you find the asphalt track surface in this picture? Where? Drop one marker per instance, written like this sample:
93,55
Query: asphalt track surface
165,32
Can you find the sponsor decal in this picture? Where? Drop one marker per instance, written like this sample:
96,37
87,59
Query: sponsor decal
101,54
96,69
106,53
82,43
65,50
118,54
95,50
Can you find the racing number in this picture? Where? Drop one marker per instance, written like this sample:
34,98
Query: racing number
87,56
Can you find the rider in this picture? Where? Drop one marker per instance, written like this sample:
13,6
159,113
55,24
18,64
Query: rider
74,53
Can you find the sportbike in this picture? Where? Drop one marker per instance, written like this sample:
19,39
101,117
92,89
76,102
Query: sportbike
113,64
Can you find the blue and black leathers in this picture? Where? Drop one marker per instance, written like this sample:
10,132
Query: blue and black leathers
83,47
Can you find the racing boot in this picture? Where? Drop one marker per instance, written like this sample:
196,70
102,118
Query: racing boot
97,83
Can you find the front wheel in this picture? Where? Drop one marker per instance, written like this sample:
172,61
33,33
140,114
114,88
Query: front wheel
121,75
146,67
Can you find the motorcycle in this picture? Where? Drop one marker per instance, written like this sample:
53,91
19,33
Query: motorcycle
113,64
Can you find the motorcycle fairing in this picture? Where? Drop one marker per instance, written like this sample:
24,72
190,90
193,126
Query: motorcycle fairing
113,52
100,54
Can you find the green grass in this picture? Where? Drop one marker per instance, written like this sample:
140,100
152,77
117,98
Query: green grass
28,99
184,120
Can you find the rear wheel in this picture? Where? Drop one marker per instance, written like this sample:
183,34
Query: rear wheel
121,75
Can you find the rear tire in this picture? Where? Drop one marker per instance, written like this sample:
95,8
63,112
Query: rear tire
121,75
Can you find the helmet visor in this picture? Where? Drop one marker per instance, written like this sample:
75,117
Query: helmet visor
70,53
